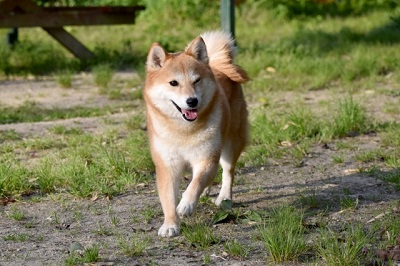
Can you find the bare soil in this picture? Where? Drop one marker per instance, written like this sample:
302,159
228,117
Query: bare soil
52,224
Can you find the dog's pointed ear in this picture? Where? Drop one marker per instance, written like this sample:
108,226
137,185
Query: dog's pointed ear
197,48
156,57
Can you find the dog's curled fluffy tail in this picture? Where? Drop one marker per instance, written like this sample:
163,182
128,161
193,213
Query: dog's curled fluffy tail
221,51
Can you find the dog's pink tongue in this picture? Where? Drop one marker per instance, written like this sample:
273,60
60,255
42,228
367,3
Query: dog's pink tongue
190,114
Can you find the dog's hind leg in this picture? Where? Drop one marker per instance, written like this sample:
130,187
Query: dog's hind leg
229,156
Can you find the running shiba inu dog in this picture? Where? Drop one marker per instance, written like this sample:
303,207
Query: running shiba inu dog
196,117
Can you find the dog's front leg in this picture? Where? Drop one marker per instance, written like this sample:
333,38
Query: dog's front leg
203,174
168,189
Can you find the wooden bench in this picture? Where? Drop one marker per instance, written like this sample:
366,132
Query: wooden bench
25,13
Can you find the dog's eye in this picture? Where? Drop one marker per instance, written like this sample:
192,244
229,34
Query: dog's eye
196,81
173,83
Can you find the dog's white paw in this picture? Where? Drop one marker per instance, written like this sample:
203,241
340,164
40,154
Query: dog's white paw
223,201
185,208
168,230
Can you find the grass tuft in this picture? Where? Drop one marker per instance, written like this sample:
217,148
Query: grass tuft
89,255
102,75
199,235
64,78
342,249
236,249
283,233
350,119
133,247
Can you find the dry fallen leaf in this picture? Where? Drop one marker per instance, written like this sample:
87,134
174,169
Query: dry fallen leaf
351,171
94,197
286,143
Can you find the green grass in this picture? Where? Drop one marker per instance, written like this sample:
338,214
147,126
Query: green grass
393,178
7,135
102,75
348,203
391,227
64,78
104,231
350,119
199,235
338,158
89,255
62,130
283,234
342,249
237,250
134,246
16,214
149,213
290,132
16,237
310,200
32,112
84,167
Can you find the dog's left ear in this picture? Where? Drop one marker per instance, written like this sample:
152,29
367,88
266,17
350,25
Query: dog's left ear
156,57
197,48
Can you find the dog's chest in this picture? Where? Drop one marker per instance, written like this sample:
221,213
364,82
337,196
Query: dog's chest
190,147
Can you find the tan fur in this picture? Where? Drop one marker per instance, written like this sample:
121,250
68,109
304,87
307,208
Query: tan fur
196,118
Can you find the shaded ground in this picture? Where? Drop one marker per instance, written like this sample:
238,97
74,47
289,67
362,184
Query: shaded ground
51,224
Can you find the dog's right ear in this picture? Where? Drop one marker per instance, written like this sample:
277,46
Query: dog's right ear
156,57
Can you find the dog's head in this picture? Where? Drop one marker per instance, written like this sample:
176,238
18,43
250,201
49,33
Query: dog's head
180,84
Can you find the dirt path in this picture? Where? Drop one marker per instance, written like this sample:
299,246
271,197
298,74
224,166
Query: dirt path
52,224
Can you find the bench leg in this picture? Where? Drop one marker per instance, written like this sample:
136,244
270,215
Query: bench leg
70,43
12,36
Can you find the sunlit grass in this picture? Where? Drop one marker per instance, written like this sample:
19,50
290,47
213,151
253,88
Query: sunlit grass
282,234
199,235
342,249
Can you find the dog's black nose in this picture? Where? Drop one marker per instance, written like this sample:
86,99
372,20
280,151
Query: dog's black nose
192,102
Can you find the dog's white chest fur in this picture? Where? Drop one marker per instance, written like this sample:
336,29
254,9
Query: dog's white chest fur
173,147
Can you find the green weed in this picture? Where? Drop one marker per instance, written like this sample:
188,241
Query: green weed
16,214
64,79
114,220
350,119
102,75
367,156
206,259
46,179
342,249
135,122
63,130
149,213
393,178
348,203
8,135
103,231
14,178
135,246
199,235
31,112
89,255
338,158
393,160
282,234
310,200
390,227
236,249
16,237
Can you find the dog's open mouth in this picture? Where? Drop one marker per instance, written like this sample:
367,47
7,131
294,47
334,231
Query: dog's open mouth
187,114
